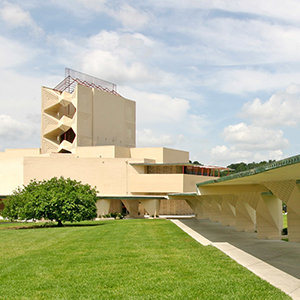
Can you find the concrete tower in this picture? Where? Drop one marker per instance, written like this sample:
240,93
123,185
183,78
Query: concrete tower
85,111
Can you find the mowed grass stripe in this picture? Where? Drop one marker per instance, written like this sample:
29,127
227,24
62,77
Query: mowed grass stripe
127,259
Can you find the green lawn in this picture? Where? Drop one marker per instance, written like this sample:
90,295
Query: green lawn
123,259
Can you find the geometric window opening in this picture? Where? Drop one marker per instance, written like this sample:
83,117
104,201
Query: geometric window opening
69,111
58,111
68,136
64,151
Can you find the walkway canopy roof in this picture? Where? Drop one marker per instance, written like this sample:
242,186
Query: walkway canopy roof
286,169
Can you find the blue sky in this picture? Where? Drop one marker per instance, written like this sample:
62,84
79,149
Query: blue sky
220,79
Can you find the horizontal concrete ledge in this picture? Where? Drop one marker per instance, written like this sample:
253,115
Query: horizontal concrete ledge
135,197
285,282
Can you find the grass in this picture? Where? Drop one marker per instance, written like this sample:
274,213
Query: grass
124,259
284,219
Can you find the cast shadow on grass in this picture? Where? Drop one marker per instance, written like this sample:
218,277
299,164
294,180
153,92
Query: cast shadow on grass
51,225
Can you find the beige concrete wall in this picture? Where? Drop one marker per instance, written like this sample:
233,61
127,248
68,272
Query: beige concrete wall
156,183
114,120
11,175
189,184
108,175
175,156
103,151
95,151
122,152
151,153
84,118
161,155
137,169
162,183
13,153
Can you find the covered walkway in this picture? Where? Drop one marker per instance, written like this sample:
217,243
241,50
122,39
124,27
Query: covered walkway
251,201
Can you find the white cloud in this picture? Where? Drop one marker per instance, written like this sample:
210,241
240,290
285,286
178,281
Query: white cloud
282,109
160,109
147,138
20,93
243,80
254,137
286,10
81,9
226,155
114,68
244,41
131,18
163,120
14,130
15,51
261,140
113,56
15,16
98,5
271,155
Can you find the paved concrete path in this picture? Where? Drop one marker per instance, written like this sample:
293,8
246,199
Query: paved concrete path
277,262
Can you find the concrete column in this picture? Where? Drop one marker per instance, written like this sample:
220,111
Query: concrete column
293,214
196,204
288,192
228,211
205,207
133,208
192,203
293,225
269,217
245,217
103,206
215,209
151,206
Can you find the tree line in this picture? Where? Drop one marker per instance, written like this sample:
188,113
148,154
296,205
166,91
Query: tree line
240,167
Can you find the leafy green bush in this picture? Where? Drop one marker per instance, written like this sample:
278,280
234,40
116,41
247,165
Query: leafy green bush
56,199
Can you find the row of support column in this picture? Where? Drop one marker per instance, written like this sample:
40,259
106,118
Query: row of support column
152,206
260,212
250,210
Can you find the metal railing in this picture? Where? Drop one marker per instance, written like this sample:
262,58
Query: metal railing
74,77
